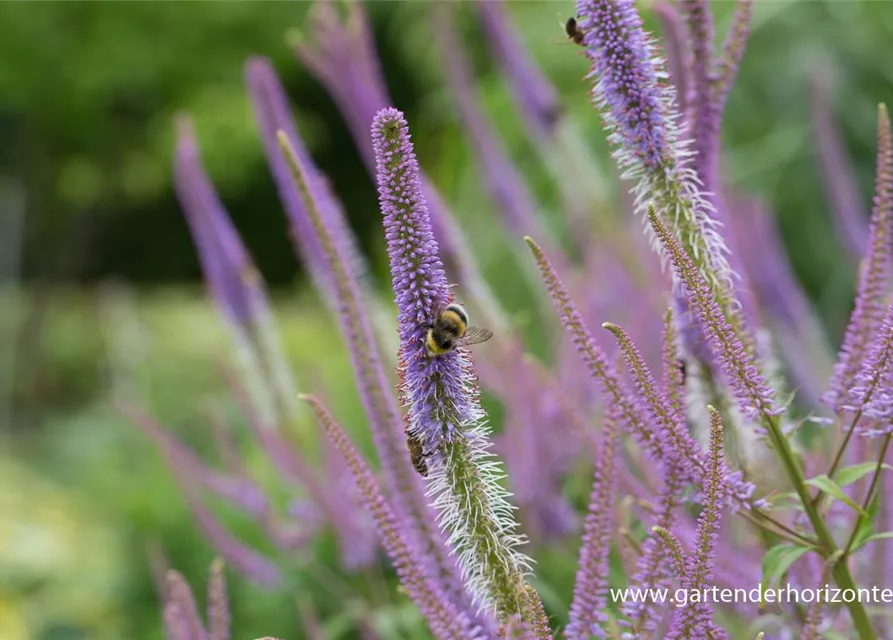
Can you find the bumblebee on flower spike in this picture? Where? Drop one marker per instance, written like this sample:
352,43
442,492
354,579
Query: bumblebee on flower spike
451,330
573,31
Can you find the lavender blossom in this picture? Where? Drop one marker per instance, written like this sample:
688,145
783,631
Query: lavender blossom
591,583
446,622
755,396
440,392
874,276
694,622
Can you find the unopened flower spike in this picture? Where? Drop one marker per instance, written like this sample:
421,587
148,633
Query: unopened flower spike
874,277
695,622
591,582
444,413
182,620
755,396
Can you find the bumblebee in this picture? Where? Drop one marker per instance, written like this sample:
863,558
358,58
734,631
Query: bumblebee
417,454
574,33
451,330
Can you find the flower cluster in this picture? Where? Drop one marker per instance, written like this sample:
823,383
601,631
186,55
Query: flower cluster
654,422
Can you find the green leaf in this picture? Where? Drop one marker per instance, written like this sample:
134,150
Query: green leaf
866,525
777,561
849,475
827,485
886,535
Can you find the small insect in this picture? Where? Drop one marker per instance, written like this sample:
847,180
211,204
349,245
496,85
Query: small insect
680,364
451,330
417,454
573,31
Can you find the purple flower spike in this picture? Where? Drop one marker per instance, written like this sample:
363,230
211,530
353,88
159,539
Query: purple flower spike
636,107
229,271
755,396
694,622
272,112
591,583
660,445
536,97
341,55
842,188
441,394
639,111
873,276
218,603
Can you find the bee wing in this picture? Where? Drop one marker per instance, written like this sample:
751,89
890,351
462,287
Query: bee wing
475,335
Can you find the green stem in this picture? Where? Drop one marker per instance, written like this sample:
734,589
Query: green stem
841,571
817,501
868,496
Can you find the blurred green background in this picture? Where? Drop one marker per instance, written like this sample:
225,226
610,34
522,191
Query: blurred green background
88,92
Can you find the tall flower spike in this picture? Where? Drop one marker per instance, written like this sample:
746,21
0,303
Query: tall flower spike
591,582
234,282
535,96
342,57
841,186
378,399
443,408
703,117
446,621
694,622
272,112
182,620
183,608
755,396
638,109
874,276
